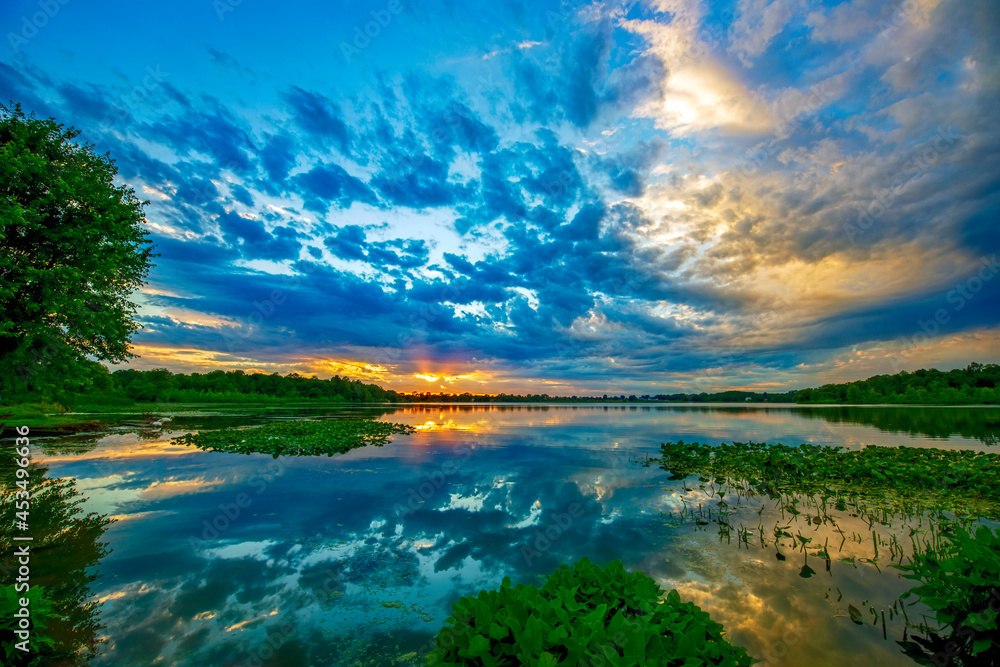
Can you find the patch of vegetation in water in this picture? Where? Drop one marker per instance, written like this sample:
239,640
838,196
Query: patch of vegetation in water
958,480
584,614
924,509
960,581
297,438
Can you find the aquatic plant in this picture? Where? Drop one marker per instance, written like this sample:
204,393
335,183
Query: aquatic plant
958,569
41,615
583,615
297,438
960,583
964,481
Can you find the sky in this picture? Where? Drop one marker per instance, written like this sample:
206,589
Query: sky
544,197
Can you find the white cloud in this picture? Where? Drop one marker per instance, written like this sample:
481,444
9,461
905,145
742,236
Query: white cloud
699,93
757,22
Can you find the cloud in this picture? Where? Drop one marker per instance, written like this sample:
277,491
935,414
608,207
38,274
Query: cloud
348,243
277,158
698,92
256,242
319,118
216,133
757,23
418,182
612,192
330,184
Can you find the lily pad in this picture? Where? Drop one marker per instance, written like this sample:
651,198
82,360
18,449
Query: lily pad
297,438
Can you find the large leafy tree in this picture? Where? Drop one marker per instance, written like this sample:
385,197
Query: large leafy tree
73,248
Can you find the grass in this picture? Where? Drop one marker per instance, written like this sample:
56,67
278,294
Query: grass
42,419
298,438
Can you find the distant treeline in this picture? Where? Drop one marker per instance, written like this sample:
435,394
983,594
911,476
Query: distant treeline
719,397
976,384
127,386
160,385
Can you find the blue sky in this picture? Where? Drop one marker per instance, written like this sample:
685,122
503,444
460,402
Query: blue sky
544,197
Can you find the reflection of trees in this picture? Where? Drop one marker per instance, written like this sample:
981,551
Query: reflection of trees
69,445
980,423
65,544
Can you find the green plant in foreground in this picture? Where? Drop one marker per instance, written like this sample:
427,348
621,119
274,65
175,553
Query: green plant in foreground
40,614
297,438
960,582
583,615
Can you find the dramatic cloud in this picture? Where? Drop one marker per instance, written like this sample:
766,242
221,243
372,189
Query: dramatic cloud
671,195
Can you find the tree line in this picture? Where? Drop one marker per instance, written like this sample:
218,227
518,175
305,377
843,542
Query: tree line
93,383
160,385
976,384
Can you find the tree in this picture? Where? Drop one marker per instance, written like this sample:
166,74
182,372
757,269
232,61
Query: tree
72,250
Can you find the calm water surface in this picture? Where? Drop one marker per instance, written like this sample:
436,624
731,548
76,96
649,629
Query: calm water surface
224,559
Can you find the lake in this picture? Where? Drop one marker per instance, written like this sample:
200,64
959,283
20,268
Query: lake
227,559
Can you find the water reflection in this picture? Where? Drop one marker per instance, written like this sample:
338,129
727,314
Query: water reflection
66,545
980,423
243,559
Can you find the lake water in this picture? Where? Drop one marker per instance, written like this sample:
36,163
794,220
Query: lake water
226,559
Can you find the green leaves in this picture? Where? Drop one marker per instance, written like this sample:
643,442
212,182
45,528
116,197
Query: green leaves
72,250
41,614
855,614
297,438
584,614
959,583
932,478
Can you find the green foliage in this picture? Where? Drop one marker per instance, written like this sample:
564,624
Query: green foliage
72,250
64,552
960,583
583,615
40,616
160,385
975,384
959,480
297,438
